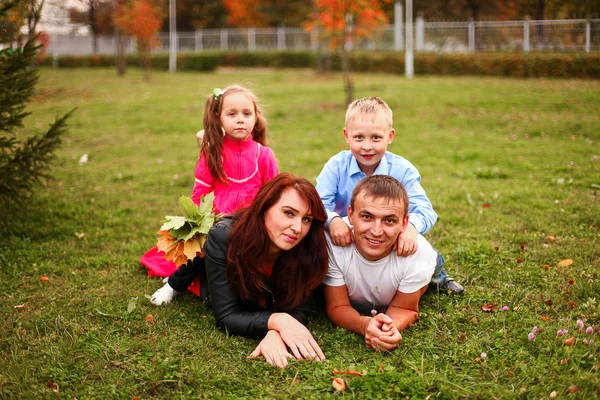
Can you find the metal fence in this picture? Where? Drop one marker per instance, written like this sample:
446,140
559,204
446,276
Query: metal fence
525,36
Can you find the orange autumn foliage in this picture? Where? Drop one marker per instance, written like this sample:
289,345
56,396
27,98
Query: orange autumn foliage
244,13
142,20
330,17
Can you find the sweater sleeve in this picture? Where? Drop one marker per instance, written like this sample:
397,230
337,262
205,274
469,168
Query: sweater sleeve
227,305
267,164
203,182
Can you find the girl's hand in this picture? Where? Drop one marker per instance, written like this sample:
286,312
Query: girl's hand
296,337
273,349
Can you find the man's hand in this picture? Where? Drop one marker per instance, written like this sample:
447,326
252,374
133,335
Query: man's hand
407,241
381,334
340,232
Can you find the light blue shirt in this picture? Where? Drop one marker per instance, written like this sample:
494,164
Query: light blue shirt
341,173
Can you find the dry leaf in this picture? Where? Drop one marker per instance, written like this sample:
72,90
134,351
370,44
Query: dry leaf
573,389
546,267
380,367
462,337
551,238
485,205
44,279
488,307
350,372
564,361
519,260
150,319
191,248
572,304
335,371
338,384
20,306
544,318
570,341
565,263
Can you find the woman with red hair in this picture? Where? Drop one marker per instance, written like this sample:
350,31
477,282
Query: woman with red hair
262,265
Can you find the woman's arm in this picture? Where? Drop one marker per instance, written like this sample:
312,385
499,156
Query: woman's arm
229,314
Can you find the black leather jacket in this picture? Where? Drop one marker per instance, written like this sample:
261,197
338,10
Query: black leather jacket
231,313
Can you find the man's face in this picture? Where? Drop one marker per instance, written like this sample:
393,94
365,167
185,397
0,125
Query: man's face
368,140
377,224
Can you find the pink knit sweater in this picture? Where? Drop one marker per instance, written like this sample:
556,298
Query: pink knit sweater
247,166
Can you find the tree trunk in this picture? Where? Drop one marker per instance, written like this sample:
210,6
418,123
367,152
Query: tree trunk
347,77
120,61
540,27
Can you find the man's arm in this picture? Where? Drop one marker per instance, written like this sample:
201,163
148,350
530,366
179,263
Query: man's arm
341,313
404,308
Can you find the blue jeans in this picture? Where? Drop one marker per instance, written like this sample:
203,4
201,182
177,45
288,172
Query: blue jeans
439,273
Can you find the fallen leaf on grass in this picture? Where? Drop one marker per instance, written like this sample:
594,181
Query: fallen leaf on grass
564,361
519,260
346,372
488,307
338,384
570,341
544,318
572,304
551,238
44,279
462,337
150,319
573,389
20,306
565,263
380,367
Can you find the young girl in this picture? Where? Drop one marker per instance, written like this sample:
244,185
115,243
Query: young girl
263,264
234,163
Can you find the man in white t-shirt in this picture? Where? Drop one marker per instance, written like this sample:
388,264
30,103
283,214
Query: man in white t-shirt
368,275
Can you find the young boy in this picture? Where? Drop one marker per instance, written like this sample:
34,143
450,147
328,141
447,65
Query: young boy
368,132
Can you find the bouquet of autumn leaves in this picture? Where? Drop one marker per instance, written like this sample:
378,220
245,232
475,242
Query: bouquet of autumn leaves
182,238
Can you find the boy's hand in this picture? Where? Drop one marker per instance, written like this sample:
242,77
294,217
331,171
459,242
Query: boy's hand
340,232
407,241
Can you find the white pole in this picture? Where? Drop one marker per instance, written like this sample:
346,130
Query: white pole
526,35
172,37
409,64
587,36
398,45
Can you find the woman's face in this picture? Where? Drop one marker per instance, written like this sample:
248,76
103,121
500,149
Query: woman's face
287,221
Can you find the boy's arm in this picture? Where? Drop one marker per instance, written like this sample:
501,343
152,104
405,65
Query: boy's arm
420,210
327,187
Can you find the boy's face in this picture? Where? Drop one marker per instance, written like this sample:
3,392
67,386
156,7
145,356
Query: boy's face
368,139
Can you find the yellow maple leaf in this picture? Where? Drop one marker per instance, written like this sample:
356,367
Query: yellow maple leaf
191,247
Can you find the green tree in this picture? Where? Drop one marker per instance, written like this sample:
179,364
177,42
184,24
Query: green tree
25,162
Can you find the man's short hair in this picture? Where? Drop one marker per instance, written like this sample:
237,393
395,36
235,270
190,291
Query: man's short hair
373,106
381,187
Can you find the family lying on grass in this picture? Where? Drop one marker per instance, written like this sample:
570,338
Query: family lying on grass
358,234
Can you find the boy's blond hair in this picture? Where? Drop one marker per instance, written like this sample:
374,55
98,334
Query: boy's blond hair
370,105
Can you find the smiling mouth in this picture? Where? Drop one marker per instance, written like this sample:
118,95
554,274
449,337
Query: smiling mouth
374,242
290,238
368,156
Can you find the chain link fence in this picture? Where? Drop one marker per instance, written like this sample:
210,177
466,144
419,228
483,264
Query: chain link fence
524,36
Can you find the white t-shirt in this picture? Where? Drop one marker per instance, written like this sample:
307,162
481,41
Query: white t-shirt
373,284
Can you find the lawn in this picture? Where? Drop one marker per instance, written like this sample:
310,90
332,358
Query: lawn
510,166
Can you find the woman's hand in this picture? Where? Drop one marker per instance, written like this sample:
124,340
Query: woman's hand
273,349
296,336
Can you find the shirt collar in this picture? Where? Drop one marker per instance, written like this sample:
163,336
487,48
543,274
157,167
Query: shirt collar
382,168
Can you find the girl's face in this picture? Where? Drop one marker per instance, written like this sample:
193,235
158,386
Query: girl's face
287,221
237,115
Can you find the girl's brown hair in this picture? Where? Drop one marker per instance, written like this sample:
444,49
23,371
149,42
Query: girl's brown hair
298,271
212,142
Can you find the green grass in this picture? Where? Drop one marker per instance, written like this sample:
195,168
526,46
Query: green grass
505,162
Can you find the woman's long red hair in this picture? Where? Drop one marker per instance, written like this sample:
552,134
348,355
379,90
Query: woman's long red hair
298,271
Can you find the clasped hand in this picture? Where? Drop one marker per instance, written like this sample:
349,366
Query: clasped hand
381,333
